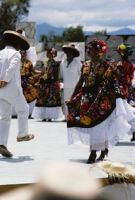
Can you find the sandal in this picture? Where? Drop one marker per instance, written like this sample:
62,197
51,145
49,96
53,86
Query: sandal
25,138
5,152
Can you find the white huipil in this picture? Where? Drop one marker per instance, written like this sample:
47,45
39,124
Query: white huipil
11,94
70,75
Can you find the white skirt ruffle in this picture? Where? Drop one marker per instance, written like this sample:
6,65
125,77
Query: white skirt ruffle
110,131
47,112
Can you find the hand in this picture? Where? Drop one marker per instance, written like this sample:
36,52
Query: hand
67,102
2,83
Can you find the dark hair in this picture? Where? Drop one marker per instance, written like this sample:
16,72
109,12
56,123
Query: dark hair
94,44
12,43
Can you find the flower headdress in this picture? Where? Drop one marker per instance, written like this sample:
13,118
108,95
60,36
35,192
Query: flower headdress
99,45
125,50
53,51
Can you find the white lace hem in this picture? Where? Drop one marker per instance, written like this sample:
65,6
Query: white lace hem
110,131
47,112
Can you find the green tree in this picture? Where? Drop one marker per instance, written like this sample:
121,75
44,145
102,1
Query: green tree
12,11
52,37
103,32
43,38
73,34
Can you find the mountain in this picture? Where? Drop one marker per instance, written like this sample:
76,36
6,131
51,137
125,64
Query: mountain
124,31
46,28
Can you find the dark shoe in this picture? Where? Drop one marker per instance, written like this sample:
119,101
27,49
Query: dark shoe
133,138
4,151
102,155
44,120
92,157
49,120
64,120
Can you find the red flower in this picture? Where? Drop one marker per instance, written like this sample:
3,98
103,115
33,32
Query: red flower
105,104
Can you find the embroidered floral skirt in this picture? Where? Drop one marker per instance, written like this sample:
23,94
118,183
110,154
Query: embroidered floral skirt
30,87
48,104
109,131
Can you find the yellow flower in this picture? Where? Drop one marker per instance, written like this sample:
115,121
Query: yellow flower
108,73
122,53
122,46
101,54
85,120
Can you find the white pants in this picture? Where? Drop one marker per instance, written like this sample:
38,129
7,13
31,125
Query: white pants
67,95
22,110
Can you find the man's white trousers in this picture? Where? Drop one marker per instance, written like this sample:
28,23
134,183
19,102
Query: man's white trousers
22,110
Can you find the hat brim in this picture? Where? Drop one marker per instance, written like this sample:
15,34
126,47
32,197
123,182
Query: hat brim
24,193
75,51
14,36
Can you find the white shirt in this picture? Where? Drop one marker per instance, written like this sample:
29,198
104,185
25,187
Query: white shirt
10,71
70,73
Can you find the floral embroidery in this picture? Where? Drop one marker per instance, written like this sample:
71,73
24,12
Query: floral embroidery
85,120
29,81
125,73
49,88
94,103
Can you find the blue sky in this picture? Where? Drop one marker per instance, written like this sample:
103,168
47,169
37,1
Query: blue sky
93,15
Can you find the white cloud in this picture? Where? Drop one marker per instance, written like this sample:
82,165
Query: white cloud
88,13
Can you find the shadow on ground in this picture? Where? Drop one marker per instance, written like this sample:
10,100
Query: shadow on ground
16,159
125,144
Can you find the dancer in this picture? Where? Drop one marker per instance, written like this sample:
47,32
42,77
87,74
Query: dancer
29,78
70,71
11,91
125,75
48,104
97,113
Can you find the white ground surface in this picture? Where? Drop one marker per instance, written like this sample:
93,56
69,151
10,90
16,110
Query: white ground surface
50,145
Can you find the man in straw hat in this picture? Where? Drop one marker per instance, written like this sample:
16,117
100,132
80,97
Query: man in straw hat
11,91
60,181
120,183
70,71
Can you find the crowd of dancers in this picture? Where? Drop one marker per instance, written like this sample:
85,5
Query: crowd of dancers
98,94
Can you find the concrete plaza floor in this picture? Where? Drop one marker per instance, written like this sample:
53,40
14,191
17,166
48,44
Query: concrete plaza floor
50,145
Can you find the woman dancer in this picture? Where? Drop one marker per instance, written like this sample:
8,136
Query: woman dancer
97,112
48,105
29,78
125,75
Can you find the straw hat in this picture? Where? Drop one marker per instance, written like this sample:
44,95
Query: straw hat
118,172
68,181
14,36
72,49
120,184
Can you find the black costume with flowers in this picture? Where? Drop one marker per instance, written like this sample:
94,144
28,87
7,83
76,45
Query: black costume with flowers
96,99
125,73
49,88
29,81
